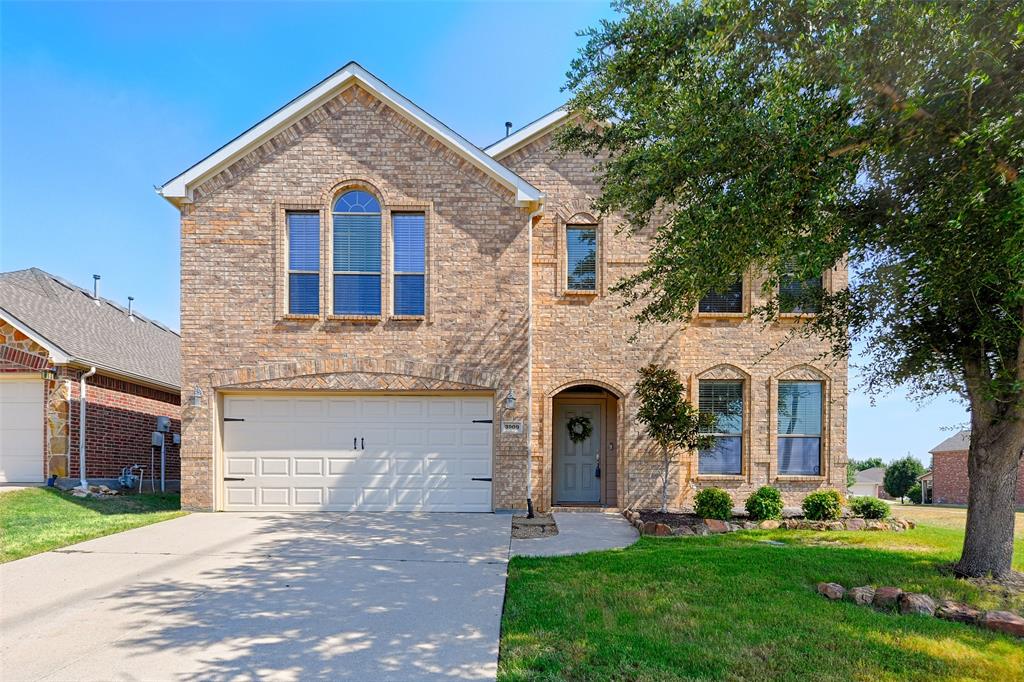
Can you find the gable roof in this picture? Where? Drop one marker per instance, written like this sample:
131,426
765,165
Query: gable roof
872,475
178,189
961,442
528,133
77,328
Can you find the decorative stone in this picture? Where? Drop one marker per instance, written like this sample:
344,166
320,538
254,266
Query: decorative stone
887,597
768,524
662,530
916,603
862,596
683,530
716,526
877,525
958,612
649,528
831,590
749,525
836,525
1003,621
855,524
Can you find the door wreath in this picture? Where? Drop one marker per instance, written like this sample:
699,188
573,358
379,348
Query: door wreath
579,429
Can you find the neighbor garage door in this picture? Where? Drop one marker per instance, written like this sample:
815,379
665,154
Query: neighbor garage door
21,430
357,453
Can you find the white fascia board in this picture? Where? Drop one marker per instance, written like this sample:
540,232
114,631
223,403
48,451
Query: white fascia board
57,355
527,133
179,189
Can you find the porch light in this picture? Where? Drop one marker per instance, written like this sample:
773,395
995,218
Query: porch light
510,400
197,396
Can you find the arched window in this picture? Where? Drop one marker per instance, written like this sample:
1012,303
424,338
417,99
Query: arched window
356,248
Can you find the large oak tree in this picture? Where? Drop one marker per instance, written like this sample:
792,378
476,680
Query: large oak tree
788,137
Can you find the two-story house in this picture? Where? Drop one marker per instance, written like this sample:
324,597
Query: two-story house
379,315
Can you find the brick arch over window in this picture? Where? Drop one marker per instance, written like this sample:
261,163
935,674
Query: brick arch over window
359,373
329,194
611,388
577,209
802,372
724,371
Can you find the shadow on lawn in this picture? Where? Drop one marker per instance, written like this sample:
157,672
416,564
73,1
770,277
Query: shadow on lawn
122,503
314,598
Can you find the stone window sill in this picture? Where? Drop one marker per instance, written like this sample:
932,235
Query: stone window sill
719,477
296,316
581,292
354,318
408,318
721,316
783,478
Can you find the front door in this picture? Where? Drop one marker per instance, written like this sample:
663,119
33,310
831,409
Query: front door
577,462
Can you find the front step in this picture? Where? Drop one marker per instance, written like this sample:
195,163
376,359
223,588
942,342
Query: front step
563,508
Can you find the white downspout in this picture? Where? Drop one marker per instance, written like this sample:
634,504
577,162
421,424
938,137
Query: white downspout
529,365
81,427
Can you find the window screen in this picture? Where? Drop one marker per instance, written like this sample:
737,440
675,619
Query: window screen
303,263
724,399
800,419
728,301
410,262
357,260
581,254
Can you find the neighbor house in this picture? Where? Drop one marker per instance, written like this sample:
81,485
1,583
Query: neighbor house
56,338
870,483
949,481
377,314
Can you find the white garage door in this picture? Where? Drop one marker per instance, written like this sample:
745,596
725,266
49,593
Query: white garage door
21,431
357,453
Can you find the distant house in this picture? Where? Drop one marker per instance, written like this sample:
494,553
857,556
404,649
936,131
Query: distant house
55,339
949,482
869,483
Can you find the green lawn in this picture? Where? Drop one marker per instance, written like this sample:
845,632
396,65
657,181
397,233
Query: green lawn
734,607
35,520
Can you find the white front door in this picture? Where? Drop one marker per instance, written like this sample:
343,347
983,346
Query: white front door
357,453
21,430
577,464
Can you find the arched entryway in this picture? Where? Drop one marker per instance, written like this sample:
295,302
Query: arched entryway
584,446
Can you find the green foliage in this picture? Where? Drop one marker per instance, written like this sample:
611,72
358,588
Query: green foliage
713,503
764,503
855,465
823,505
914,493
901,475
869,508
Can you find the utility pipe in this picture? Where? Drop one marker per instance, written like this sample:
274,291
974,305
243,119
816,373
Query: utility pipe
81,427
529,361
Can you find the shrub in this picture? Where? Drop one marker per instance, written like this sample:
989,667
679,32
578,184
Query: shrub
914,494
823,505
713,503
765,503
869,507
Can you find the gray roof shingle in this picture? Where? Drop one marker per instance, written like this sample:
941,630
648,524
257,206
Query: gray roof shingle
960,442
96,332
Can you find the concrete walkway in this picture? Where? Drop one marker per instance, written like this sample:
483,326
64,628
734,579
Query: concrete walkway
263,596
580,532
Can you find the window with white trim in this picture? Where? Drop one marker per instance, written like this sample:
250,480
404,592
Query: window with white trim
356,249
581,257
800,425
409,239
303,262
724,400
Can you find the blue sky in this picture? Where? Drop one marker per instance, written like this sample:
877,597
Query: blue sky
99,102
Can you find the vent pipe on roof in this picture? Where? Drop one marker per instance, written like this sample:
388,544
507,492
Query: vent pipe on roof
96,288
508,128
130,299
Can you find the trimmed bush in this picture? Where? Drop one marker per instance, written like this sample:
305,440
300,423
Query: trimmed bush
869,508
914,494
823,505
713,503
764,503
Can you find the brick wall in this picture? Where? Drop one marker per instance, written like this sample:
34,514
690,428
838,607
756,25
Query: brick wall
950,482
120,419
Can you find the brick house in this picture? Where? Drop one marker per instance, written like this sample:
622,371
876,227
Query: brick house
377,314
948,480
55,336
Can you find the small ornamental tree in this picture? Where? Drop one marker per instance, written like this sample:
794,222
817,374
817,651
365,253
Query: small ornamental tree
901,475
671,422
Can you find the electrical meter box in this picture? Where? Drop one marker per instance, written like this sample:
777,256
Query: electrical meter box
163,424
158,439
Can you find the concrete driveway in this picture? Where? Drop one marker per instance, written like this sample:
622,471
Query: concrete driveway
256,596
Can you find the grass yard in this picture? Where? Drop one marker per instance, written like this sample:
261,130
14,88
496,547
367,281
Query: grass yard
36,520
734,607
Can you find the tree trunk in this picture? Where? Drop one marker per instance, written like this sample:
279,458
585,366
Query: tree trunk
664,480
992,467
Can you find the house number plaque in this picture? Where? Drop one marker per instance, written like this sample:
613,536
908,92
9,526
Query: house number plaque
512,427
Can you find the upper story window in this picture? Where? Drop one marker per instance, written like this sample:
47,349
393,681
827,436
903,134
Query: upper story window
581,257
356,250
409,239
303,262
800,425
800,295
728,301
723,399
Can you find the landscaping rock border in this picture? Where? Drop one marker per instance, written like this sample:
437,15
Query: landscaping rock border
914,603
712,526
